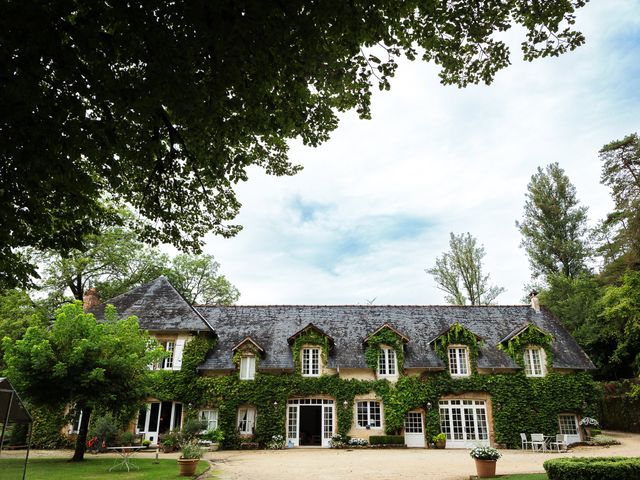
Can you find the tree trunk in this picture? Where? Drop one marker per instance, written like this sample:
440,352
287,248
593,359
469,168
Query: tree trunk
81,440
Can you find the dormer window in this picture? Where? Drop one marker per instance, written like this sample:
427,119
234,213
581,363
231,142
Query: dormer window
247,367
310,362
533,362
387,363
459,361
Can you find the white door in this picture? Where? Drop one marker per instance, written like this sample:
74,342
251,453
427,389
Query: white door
414,430
569,427
464,422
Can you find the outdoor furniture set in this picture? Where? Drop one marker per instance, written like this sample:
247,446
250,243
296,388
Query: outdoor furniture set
544,443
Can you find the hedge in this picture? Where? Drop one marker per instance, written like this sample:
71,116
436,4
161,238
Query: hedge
595,468
386,440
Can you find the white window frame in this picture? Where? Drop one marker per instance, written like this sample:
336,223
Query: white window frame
210,416
310,361
534,361
387,362
170,347
458,366
568,424
246,420
367,408
247,367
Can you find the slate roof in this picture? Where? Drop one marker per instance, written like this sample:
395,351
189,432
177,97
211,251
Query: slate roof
349,325
158,306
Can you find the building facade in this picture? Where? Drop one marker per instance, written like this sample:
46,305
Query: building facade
481,375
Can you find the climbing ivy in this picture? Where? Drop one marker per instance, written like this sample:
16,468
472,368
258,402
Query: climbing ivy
532,335
309,337
458,335
518,403
384,337
245,350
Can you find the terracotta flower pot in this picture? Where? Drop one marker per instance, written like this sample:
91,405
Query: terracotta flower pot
188,466
485,468
441,443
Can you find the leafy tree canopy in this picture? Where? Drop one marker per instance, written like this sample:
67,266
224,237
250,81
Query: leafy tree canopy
165,105
81,362
620,231
17,313
458,273
554,226
115,261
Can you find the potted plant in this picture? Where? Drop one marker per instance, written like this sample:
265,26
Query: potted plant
440,440
146,443
170,442
188,461
486,458
588,423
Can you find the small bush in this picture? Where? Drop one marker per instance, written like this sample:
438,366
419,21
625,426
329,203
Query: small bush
125,438
339,441
105,429
596,468
604,440
386,439
358,442
277,442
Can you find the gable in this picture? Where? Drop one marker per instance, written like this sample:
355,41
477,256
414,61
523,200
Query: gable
158,306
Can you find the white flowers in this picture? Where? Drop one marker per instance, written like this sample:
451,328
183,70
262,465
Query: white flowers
485,453
589,422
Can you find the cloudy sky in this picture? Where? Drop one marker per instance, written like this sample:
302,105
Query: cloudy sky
374,205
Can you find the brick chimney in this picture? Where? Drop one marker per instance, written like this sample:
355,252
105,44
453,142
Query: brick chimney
90,299
535,302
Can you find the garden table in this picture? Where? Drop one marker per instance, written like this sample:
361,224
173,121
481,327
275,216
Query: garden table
124,456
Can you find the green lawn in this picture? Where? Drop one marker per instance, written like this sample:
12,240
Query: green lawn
91,468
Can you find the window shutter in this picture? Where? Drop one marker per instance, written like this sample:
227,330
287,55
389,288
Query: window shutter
177,354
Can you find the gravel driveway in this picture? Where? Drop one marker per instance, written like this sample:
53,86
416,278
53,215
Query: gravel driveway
321,464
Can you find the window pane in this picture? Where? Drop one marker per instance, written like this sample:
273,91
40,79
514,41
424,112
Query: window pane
382,362
568,424
462,366
453,361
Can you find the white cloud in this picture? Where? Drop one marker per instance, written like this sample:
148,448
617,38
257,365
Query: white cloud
374,205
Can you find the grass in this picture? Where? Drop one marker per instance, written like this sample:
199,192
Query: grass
91,469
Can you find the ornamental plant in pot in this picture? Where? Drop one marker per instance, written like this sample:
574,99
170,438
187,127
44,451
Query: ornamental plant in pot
486,458
188,461
440,440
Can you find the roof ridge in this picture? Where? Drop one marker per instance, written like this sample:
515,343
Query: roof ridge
342,305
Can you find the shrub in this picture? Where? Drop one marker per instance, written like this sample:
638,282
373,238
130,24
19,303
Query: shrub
386,440
146,443
339,441
485,453
277,442
125,438
104,428
604,440
358,442
215,436
595,468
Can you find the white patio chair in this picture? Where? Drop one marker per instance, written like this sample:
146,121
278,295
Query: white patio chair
560,443
525,442
537,442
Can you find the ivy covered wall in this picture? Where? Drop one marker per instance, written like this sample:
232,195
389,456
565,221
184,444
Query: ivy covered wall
519,403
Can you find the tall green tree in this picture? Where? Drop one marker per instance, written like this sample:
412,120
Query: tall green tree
17,313
165,105
459,274
620,231
554,225
115,261
621,311
81,362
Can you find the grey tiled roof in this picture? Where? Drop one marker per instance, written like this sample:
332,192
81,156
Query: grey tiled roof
158,306
349,325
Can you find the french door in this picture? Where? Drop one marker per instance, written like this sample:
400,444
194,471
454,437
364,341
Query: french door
464,422
158,418
310,421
